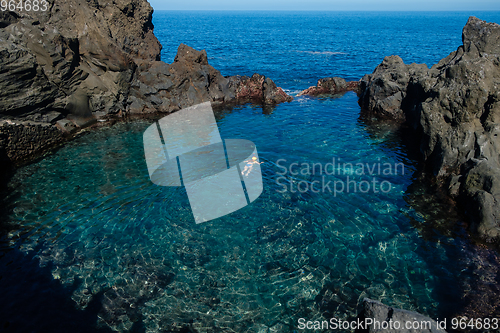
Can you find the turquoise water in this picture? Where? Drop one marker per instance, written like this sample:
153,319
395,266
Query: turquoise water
85,228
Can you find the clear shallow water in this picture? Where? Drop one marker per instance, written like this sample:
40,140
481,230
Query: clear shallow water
85,227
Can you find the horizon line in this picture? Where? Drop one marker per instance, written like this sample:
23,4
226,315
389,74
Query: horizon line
326,10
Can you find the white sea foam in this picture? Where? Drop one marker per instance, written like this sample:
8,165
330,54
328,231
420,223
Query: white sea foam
321,52
292,92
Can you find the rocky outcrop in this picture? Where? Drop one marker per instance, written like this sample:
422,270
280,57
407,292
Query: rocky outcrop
258,88
383,92
391,320
73,47
454,110
72,62
69,60
190,80
331,86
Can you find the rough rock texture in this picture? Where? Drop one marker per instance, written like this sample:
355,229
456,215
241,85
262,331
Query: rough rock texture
258,89
73,60
190,80
19,140
381,313
74,47
82,60
454,109
330,85
383,91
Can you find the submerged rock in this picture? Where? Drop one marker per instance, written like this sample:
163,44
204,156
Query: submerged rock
395,320
330,85
454,110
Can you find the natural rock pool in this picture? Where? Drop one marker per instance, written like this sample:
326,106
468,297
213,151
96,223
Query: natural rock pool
86,223
92,214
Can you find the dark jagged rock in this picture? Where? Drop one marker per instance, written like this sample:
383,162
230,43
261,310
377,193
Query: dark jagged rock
72,48
381,313
258,88
330,85
84,60
383,91
190,80
274,94
73,60
454,108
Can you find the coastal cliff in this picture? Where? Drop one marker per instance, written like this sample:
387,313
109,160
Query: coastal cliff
453,110
72,62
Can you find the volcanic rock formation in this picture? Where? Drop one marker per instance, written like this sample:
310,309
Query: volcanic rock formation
384,318
330,85
190,80
74,61
454,109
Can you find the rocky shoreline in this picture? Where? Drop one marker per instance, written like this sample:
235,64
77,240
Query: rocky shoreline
452,111
60,75
87,69
330,86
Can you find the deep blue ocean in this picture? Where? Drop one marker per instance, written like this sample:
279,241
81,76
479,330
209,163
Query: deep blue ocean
88,240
